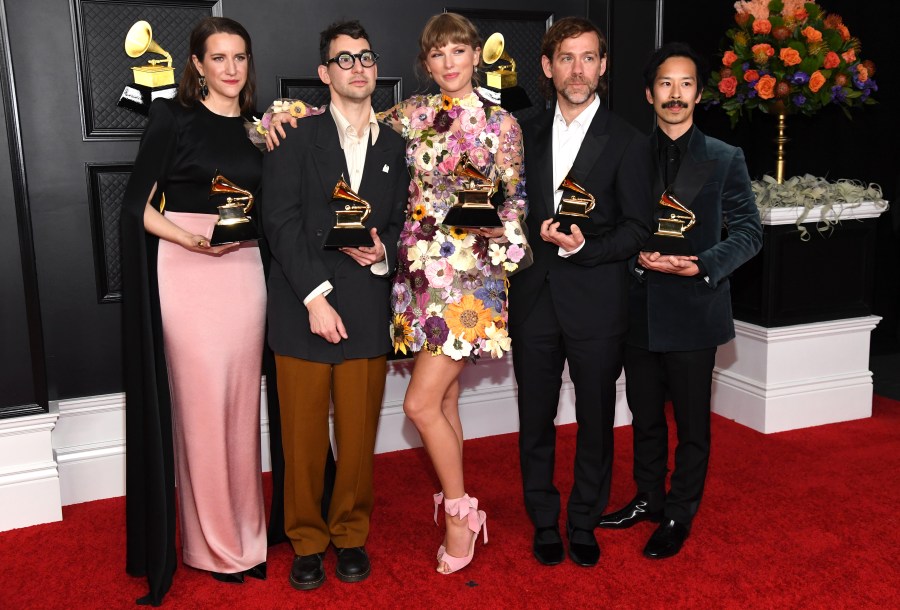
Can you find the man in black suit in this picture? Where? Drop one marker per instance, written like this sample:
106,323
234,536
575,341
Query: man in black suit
571,304
681,304
329,309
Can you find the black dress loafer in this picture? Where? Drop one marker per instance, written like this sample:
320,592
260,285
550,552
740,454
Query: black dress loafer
667,540
583,547
632,513
236,579
307,572
257,571
548,546
353,564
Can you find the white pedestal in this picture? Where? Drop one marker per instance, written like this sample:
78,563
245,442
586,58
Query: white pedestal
783,378
29,479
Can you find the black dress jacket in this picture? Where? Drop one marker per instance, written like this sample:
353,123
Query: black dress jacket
298,180
590,288
675,313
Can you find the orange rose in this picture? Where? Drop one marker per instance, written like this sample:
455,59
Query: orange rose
801,15
789,56
862,74
845,33
765,87
751,75
762,53
762,26
816,81
728,86
729,58
811,34
781,33
870,66
831,60
849,56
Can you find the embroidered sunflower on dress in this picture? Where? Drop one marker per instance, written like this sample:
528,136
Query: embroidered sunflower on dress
468,319
401,333
458,233
418,212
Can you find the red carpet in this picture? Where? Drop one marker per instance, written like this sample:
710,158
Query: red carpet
802,519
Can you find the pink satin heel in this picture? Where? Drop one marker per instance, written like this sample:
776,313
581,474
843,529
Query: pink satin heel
438,500
464,508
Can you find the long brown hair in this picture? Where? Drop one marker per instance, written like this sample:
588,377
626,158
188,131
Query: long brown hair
189,87
442,29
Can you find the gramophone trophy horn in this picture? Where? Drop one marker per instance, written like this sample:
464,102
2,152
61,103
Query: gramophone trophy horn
473,207
504,76
233,225
348,230
152,80
669,237
575,207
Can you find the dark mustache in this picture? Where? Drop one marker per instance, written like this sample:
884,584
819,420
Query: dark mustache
673,103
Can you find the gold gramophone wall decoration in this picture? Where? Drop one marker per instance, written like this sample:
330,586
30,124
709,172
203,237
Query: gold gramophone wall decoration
153,80
348,230
504,76
234,225
575,207
674,220
473,207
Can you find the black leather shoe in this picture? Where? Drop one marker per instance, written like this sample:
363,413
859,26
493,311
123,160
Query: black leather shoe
548,546
257,571
236,579
667,540
307,572
353,564
632,513
583,547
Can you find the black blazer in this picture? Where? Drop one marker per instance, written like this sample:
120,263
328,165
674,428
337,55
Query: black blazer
590,288
674,313
298,179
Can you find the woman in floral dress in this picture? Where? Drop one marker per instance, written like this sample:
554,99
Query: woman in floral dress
449,294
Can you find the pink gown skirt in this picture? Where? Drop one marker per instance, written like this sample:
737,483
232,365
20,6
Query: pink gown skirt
213,318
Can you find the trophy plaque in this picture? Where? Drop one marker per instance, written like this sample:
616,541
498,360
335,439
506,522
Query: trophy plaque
473,207
152,80
674,219
348,230
574,208
233,225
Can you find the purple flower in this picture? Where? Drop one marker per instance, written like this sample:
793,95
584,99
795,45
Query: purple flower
436,330
442,121
800,78
838,95
745,66
409,232
418,282
492,294
400,297
447,249
798,99
426,229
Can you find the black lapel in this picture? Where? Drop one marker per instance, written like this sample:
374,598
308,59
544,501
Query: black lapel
694,171
592,147
377,168
539,165
329,156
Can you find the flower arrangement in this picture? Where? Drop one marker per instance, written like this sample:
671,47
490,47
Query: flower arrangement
789,56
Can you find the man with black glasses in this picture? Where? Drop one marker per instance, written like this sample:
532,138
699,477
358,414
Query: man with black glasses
329,309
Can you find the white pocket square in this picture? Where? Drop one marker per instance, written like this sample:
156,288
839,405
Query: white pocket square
386,168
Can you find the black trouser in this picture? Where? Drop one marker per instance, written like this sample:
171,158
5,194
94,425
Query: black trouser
687,377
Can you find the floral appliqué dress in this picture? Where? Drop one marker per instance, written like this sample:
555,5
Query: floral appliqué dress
449,295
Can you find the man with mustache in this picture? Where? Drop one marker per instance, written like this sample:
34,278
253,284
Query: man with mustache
681,304
571,304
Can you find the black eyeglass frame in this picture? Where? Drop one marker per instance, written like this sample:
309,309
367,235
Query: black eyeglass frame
353,56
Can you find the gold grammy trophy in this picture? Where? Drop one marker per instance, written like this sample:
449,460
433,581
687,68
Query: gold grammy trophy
473,207
348,230
505,76
574,208
669,237
151,81
233,225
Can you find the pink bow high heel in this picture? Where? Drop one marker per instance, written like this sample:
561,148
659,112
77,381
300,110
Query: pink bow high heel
464,508
438,500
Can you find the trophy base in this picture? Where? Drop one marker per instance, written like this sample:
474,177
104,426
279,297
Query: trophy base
139,97
472,217
584,223
347,238
232,234
664,244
